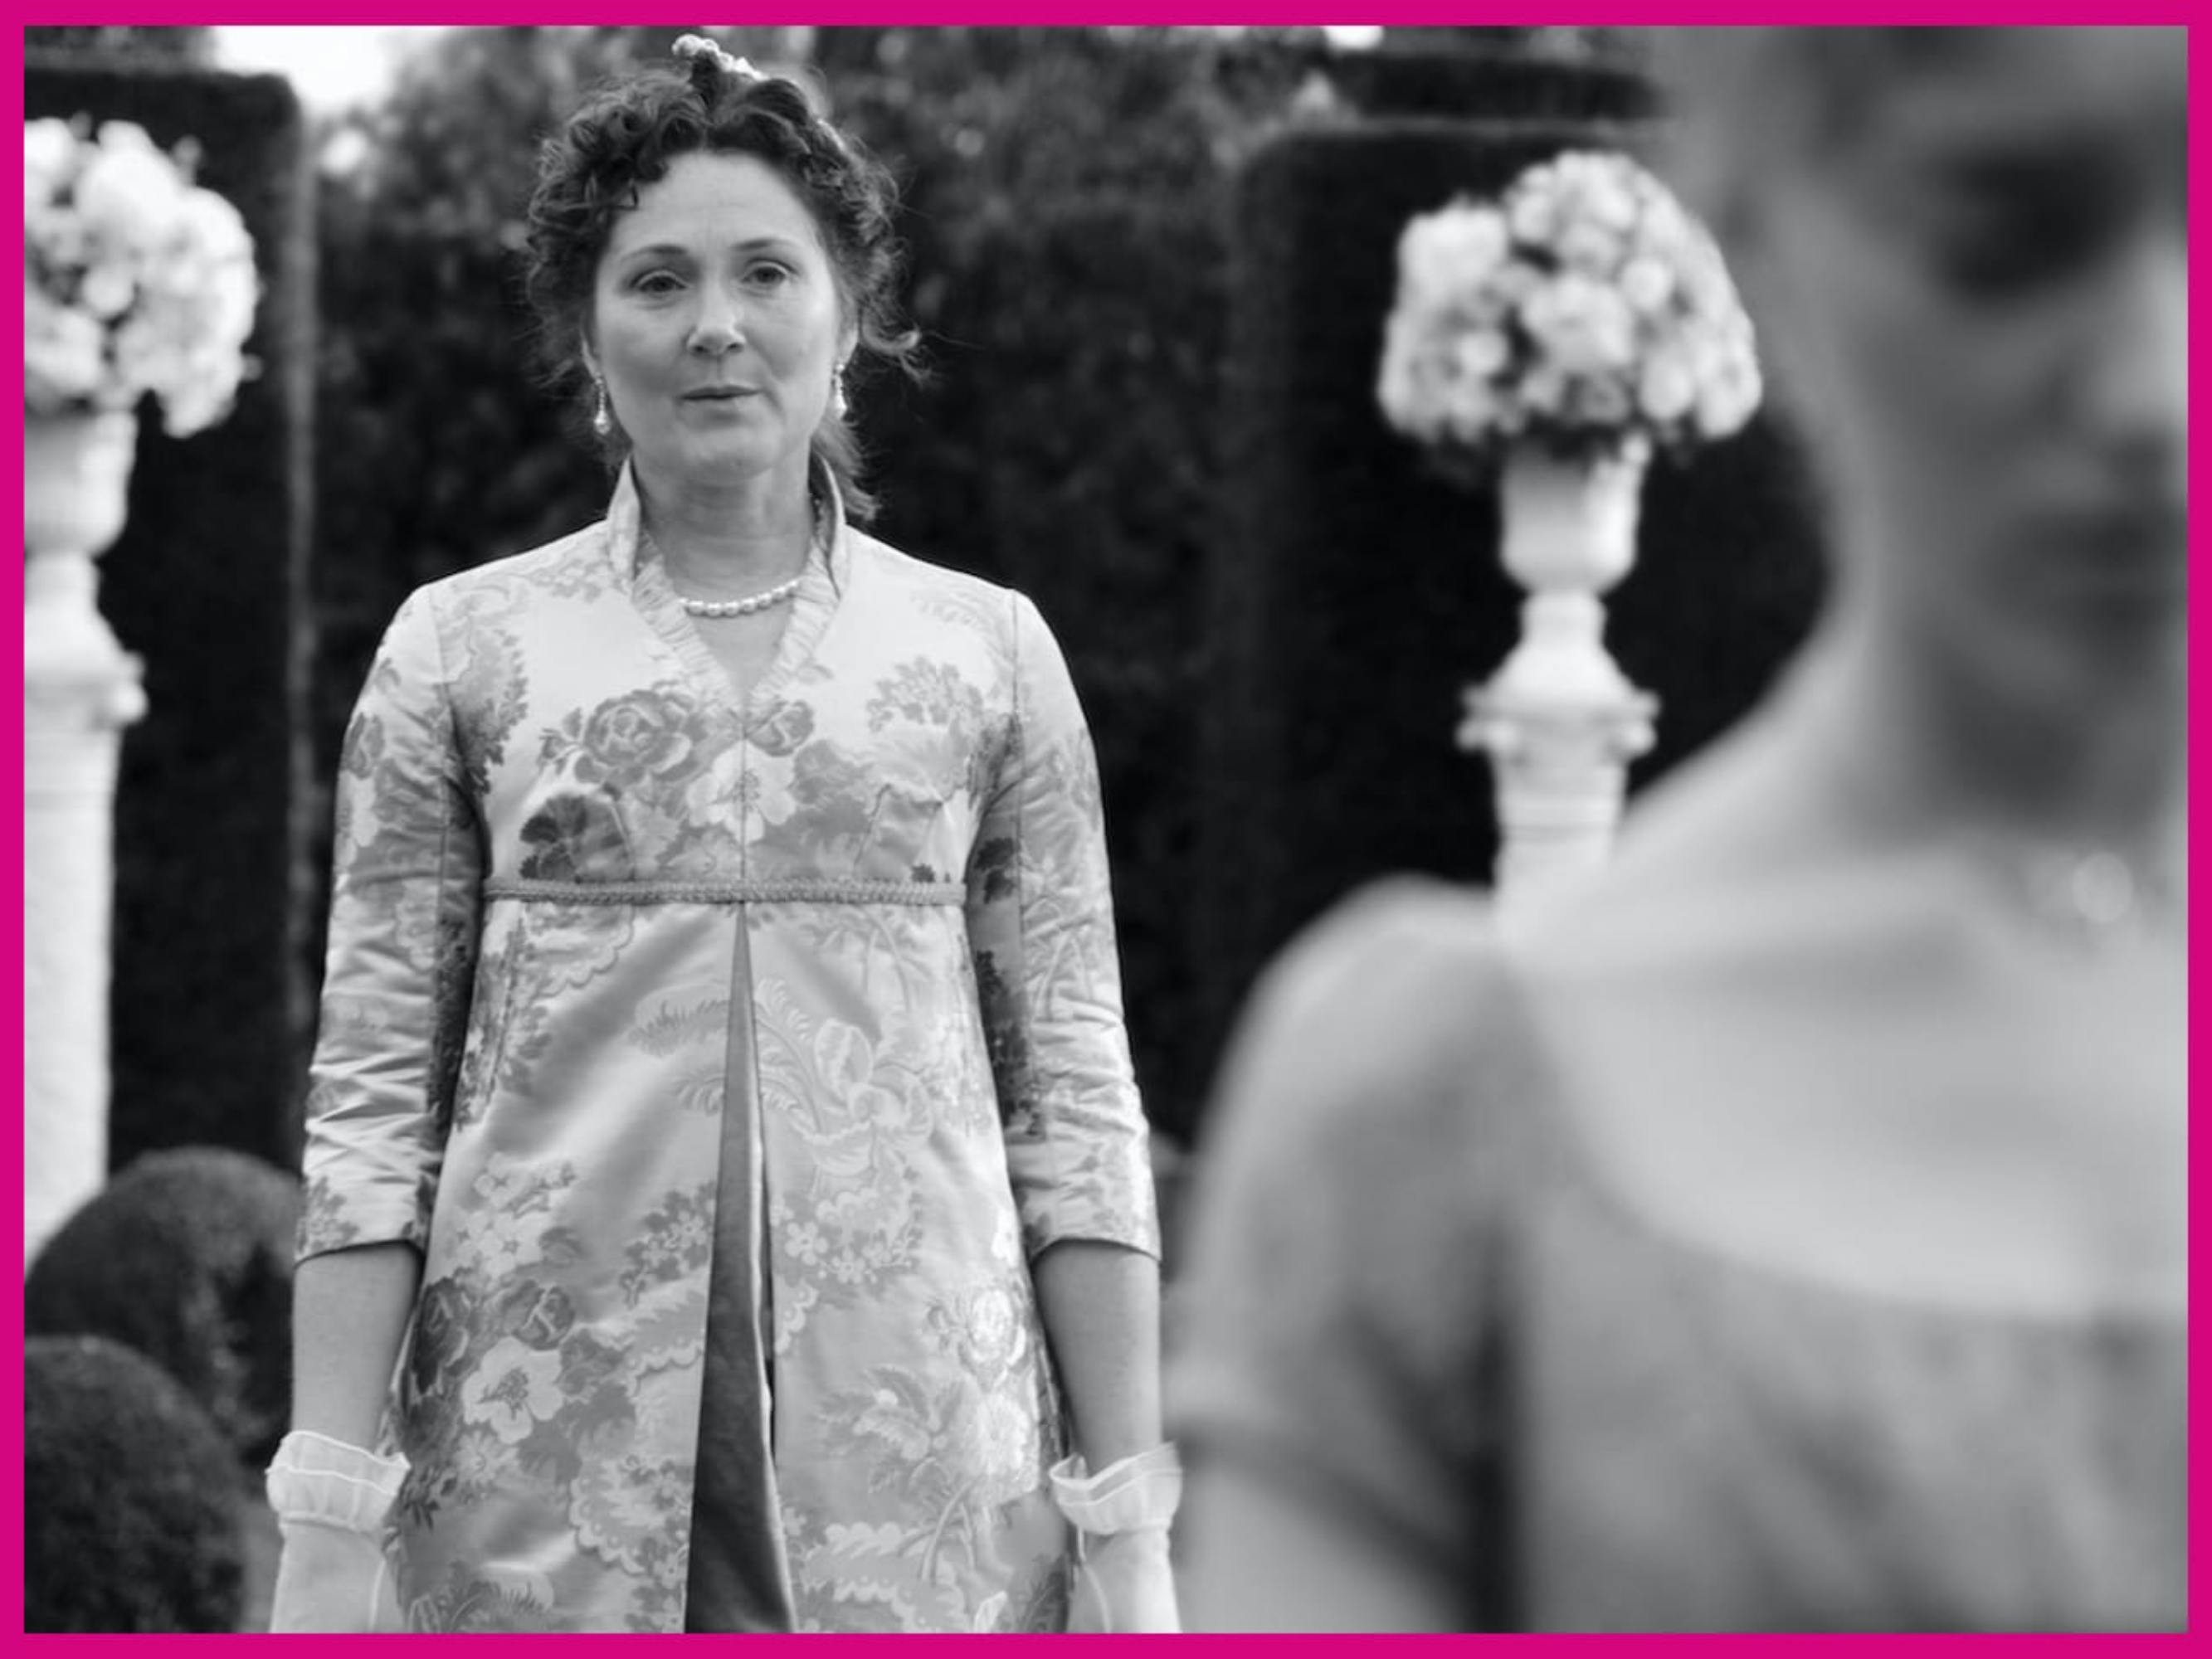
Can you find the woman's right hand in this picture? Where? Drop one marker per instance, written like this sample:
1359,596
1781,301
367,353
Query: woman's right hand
329,1579
331,1501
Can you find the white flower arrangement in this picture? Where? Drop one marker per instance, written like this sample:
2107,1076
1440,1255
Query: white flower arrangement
135,280
1584,309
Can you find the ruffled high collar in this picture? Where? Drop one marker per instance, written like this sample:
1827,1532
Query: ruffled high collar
626,527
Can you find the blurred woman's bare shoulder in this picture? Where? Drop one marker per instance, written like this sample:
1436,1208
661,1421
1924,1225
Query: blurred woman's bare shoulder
1731,866
1377,998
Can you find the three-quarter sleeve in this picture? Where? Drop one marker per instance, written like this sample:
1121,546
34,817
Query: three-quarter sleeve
1040,914
1338,1341
398,972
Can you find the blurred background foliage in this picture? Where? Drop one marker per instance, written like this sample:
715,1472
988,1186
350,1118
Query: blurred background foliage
1064,199
1071,202
185,43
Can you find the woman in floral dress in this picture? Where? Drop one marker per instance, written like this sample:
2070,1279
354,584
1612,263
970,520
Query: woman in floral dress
722,1122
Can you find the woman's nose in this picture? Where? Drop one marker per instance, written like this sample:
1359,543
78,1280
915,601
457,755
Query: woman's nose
717,326
2137,390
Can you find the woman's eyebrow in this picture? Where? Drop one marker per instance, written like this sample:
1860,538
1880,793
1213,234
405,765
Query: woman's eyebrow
2053,164
680,249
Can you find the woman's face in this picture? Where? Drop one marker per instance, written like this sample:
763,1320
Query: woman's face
717,324
1987,283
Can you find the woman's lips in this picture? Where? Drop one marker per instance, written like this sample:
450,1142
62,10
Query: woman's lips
2130,554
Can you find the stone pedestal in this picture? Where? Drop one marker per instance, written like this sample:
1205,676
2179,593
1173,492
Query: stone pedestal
216,889
1559,720
79,689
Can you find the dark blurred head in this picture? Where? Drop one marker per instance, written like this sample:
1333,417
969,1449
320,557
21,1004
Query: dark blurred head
1966,252
624,138
131,1498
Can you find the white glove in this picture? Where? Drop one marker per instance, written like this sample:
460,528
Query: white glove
332,1501
1124,1583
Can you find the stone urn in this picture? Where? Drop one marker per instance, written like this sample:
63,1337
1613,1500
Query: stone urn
1558,719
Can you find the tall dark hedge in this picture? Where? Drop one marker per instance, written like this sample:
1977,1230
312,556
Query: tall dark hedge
1499,75
1354,594
1067,208
205,584
132,1506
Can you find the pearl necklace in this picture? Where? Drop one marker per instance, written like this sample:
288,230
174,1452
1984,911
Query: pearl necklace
767,597
744,607
2087,898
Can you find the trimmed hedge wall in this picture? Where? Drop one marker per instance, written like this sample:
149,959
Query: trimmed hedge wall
1355,593
1399,81
208,1006
1071,275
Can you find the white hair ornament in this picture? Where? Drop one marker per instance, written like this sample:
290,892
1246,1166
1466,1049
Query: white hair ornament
690,46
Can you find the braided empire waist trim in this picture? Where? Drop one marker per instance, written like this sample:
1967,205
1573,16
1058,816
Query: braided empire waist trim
820,891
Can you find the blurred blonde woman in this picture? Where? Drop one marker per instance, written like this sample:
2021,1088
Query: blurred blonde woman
1785,1228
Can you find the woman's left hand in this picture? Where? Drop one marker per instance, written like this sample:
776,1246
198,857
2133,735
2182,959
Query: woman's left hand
1125,1586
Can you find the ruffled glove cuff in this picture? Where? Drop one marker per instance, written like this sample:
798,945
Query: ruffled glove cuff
318,1482
1138,1494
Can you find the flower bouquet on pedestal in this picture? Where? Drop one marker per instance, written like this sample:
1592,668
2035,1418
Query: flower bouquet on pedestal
1552,340
135,280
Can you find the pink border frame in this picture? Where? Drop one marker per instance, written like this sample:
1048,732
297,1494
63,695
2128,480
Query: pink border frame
1215,12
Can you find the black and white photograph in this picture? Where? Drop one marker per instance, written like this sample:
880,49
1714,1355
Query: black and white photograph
1111,830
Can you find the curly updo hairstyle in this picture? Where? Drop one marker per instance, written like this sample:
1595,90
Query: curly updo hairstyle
623,137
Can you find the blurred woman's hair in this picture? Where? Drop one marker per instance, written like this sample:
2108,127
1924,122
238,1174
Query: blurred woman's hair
1753,113
1750,106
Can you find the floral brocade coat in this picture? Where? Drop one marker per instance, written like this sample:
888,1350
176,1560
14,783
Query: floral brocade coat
611,950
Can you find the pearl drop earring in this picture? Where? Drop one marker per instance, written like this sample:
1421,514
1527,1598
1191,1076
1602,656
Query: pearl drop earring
603,419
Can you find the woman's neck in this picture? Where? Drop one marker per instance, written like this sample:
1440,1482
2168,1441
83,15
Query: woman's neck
752,533
1929,746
